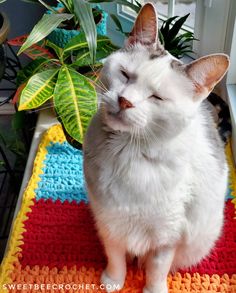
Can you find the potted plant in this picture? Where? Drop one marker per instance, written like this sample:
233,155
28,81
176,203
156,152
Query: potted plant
77,15
67,77
71,27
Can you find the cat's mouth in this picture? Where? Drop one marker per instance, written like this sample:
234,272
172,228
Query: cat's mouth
117,120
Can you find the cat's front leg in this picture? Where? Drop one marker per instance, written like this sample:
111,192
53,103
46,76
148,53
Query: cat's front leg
113,277
158,265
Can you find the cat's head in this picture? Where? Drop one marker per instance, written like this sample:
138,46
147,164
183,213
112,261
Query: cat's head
148,89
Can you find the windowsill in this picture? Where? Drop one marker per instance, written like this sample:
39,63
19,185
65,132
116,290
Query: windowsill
231,89
45,120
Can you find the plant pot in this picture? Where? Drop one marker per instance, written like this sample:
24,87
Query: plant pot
4,29
61,36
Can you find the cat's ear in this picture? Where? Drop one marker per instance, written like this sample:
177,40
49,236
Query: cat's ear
145,28
206,72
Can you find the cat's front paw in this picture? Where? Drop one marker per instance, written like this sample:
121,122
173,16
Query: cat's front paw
111,285
159,289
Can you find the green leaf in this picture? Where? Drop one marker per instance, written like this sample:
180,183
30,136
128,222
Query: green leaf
79,42
38,90
55,48
134,7
30,69
68,4
161,38
138,4
84,13
177,26
83,58
47,6
166,26
1,1
43,28
75,102
104,49
76,43
117,23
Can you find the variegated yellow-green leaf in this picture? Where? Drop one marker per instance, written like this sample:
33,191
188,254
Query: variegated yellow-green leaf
38,90
104,49
30,69
75,102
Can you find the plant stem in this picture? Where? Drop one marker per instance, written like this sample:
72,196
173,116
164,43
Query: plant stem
47,6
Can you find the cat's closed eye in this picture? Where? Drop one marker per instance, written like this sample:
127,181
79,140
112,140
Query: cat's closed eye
125,74
156,97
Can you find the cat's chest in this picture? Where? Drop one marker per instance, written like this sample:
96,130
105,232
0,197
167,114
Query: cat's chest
134,174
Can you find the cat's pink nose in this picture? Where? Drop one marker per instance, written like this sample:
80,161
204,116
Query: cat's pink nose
124,103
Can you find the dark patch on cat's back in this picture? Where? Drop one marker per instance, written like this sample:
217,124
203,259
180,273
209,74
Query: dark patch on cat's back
213,135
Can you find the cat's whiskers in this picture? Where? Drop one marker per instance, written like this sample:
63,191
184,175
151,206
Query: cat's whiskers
99,82
151,135
136,142
160,127
95,84
65,103
129,150
145,140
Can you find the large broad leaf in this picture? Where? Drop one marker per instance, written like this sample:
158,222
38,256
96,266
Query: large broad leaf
38,90
134,7
79,42
30,69
76,43
43,28
75,101
104,49
84,13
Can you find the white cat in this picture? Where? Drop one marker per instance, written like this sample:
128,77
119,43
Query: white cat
154,164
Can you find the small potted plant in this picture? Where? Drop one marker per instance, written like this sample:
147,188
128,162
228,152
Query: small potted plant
73,17
71,28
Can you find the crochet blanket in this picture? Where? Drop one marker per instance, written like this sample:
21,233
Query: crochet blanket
54,247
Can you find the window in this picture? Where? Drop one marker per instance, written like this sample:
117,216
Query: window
169,8
208,21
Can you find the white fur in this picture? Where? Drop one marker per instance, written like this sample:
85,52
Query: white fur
155,182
